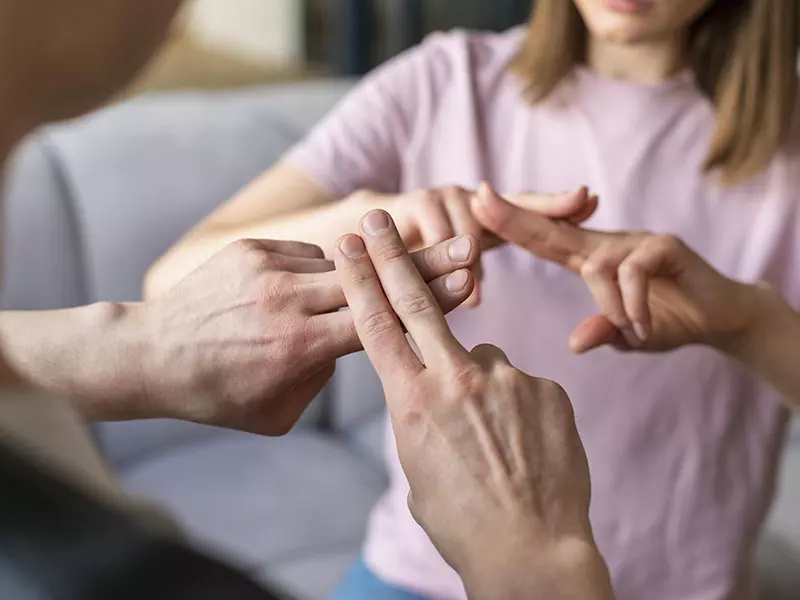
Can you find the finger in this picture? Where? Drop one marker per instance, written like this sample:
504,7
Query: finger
407,293
434,223
324,293
634,280
586,213
296,249
293,264
556,241
457,204
568,206
600,274
487,355
655,256
446,257
339,326
593,333
376,323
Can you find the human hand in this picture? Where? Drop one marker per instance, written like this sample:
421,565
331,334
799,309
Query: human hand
654,292
251,337
427,217
498,476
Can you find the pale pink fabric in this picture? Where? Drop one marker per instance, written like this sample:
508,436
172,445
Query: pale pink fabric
683,447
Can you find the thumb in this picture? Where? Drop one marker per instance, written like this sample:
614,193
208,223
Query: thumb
593,333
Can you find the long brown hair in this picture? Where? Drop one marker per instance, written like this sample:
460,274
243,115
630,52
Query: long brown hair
744,54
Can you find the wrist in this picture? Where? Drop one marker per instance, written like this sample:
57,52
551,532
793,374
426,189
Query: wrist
764,309
566,570
111,385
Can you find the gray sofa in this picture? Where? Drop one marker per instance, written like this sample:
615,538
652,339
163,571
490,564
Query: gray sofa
91,204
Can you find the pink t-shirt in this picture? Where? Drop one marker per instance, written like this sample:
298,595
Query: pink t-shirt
683,446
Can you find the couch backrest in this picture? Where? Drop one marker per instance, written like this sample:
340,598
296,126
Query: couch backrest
92,203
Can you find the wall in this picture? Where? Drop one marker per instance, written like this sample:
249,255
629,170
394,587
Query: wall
265,32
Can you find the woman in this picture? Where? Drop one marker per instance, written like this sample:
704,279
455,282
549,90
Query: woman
676,112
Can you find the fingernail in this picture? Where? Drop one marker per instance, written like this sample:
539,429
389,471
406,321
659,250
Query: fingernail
352,247
631,338
460,249
642,330
457,281
376,222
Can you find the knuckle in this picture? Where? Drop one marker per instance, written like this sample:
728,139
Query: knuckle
666,243
254,256
453,191
426,196
630,269
469,380
555,397
277,290
390,252
361,276
599,264
376,324
507,375
412,304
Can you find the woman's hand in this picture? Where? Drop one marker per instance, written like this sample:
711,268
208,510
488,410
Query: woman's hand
654,292
427,217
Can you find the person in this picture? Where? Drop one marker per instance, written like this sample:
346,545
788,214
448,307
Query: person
244,342
680,117
178,356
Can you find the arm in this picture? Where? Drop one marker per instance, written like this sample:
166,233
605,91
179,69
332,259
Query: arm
770,346
283,204
578,572
89,354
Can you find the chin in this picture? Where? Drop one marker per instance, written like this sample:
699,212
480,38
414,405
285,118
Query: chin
621,35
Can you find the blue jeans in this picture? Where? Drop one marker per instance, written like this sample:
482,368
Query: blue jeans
361,583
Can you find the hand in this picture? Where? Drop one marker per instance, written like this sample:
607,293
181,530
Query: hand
654,292
251,337
476,437
427,217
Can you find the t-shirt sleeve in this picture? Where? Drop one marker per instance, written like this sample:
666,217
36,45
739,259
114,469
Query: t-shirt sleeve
360,144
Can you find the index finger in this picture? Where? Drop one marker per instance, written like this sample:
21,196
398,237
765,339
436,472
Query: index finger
406,291
376,323
549,239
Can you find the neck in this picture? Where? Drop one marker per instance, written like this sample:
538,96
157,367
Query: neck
646,63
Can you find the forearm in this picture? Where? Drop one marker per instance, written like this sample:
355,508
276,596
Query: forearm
319,225
91,355
771,346
578,574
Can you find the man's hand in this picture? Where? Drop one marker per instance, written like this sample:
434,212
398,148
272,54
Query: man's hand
653,291
245,342
250,338
498,475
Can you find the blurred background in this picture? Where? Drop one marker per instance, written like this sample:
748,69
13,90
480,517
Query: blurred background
91,204
227,43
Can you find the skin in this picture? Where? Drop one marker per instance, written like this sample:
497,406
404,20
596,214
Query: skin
644,46
245,342
178,356
247,338
655,294
469,425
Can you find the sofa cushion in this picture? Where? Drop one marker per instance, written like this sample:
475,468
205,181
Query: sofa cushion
257,501
43,260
